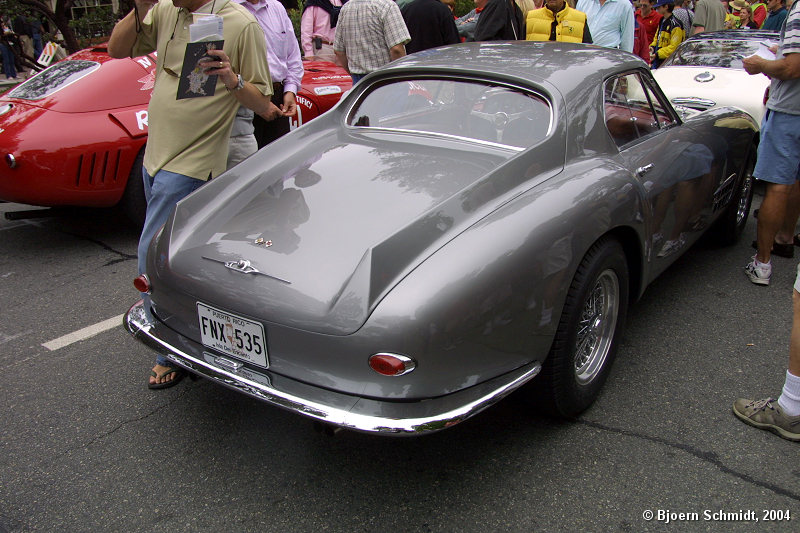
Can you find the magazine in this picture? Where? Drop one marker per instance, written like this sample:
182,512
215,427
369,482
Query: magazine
194,82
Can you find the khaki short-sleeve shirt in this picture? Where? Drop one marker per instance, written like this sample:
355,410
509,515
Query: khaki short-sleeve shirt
190,136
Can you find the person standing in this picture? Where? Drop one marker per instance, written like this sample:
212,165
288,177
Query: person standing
318,27
746,21
466,24
557,22
778,161
188,137
610,21
641,46
760,11
649,18
36,34
526,6
670,34
501,20
709,15
684,15
370,33
23,30
777,14
285,66
781,416
9,69
430,24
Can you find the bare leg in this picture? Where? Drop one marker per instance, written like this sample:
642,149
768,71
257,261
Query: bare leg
771,216
786,233
794,343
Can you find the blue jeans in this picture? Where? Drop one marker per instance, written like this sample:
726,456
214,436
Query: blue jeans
8,61
162,192
37,46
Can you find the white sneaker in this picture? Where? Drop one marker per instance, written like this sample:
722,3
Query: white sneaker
759,273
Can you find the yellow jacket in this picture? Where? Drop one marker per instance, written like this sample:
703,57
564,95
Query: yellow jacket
669,35
571,25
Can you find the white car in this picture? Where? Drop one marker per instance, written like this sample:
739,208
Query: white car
706,71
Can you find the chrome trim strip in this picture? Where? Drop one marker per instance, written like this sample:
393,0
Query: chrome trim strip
408,363
690,101
244,266
436,135
440,413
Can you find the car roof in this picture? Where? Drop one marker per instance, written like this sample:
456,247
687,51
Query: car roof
565,66
735,35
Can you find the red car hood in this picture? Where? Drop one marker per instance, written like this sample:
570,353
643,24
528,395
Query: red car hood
88,81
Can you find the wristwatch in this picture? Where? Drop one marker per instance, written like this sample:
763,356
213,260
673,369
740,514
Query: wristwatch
239,83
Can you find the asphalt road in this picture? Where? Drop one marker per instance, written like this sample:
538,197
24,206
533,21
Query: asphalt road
85,446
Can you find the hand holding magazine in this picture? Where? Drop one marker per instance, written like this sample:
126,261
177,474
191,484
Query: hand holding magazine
205,34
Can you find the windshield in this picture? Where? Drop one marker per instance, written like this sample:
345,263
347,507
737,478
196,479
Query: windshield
474,110
713,53
53,79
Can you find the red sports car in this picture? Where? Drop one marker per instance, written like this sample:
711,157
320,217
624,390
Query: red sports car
74,134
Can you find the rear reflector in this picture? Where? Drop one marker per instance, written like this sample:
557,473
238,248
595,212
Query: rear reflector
389,364
142,284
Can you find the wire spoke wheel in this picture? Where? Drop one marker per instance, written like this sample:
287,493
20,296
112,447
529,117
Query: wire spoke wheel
596,327
588,332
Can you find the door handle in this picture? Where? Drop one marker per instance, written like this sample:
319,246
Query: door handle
641,171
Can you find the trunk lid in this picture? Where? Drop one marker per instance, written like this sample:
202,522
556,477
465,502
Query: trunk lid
329,234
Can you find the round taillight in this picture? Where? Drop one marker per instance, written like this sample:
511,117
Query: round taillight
142,284
389,364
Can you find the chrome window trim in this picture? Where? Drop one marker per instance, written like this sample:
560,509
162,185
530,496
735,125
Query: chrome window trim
528,90
436,135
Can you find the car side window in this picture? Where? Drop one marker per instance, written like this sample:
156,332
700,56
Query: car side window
665,119
628,113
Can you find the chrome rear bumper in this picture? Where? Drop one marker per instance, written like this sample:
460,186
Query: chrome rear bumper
343,410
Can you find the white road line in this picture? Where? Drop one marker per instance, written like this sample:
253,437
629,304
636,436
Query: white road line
83,334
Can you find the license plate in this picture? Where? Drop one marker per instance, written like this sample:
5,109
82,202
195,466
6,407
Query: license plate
233,335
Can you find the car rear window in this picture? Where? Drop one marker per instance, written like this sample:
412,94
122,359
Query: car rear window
53,79
713,53
474,110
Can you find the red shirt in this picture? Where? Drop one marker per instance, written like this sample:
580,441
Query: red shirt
760,15
641,46
650,23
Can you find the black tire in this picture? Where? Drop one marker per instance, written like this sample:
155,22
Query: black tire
731,224
579,361
133,203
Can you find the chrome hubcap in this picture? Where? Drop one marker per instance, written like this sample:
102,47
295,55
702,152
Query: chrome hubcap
596,326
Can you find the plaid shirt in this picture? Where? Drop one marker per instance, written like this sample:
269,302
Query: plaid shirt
366,30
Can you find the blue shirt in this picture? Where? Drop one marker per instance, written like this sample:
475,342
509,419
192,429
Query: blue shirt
611,24
774,21
784,95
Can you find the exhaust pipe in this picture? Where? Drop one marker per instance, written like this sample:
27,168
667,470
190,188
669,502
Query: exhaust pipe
329,430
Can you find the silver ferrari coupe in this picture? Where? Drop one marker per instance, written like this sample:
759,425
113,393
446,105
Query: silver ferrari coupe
467,221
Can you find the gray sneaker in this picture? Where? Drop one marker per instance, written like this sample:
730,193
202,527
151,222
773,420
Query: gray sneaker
767,414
